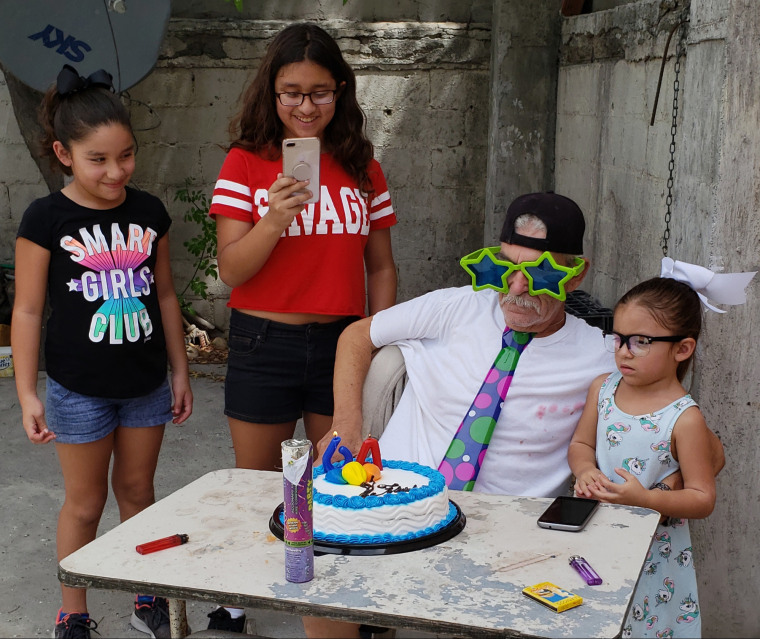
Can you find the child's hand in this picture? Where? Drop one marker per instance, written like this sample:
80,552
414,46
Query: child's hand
182,407
629,493
586,480
34,422
283,205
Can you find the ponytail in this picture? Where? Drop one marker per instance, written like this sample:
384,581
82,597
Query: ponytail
74,108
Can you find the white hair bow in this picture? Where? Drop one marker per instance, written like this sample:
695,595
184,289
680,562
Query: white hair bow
724,288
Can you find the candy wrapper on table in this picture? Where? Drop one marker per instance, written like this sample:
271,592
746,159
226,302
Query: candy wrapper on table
298,510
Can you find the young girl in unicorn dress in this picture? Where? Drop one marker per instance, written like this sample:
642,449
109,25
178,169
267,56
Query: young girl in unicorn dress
639,426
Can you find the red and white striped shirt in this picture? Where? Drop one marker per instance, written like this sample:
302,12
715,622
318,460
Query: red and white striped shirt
317,266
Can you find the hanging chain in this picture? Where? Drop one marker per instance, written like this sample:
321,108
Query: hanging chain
680,50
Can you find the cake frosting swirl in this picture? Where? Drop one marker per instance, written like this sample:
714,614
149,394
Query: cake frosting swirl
409,501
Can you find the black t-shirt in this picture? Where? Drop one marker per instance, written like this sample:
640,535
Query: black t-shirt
105,337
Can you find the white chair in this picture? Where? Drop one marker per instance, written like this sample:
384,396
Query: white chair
385,382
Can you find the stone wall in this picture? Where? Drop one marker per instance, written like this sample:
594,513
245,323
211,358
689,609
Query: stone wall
610,160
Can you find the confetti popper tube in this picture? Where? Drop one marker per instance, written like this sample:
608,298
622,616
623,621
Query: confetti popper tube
298,533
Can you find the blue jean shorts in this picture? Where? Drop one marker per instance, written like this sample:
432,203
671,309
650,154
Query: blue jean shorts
81,419
276,371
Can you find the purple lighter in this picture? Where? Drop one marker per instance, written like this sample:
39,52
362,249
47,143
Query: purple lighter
585,570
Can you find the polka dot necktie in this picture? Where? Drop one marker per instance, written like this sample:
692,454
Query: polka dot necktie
461,464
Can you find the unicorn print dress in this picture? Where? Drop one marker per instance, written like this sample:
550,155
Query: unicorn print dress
665,600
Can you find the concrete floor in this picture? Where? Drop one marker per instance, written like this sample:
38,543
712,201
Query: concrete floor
31,494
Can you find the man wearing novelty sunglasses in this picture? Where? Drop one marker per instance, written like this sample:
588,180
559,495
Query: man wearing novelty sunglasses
449,338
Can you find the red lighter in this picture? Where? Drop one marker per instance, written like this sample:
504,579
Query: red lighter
161,544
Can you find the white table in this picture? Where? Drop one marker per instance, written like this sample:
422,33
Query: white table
470,585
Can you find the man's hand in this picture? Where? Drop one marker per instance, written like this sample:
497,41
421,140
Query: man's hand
352,360
350,439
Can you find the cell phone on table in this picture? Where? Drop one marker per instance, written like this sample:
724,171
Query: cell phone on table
300,160
568,513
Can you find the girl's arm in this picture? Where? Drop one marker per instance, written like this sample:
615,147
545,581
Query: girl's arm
242,247
381,271
717,462
691,446
174,334
581,454
32,263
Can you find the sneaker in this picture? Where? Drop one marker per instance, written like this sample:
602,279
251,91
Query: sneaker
74,626
221,619
152,618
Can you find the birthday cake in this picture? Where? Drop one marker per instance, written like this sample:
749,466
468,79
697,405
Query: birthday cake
408,501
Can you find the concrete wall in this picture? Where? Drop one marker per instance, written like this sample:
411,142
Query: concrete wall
418,85
423,81
524,46
20,179
455,157
615,165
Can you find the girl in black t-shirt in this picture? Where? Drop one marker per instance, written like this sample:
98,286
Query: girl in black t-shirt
100,249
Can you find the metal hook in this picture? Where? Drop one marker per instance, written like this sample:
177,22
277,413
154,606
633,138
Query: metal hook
662,67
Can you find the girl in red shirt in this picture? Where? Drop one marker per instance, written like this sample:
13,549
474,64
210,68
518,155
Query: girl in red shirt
297,270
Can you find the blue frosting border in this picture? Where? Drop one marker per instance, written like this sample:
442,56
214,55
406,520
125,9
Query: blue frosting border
435,486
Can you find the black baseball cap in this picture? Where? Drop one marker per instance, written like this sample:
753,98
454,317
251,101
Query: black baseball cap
563,218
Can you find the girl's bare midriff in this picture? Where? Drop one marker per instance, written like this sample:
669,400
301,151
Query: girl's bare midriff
293,318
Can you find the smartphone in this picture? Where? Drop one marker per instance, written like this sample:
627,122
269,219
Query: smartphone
300,159
568,513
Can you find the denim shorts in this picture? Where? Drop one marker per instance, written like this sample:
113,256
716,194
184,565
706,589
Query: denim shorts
80,419
276,371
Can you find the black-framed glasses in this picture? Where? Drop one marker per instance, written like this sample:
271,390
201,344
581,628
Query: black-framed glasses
294,98
638,345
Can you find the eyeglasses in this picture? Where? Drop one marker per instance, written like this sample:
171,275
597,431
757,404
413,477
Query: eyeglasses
638,345
544,275
293,98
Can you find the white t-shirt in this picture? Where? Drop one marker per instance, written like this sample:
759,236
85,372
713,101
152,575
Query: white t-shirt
449,339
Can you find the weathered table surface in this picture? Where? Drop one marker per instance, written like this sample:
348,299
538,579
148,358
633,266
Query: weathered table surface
469,585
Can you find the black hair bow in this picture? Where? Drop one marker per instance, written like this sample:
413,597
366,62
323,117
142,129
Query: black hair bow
69,81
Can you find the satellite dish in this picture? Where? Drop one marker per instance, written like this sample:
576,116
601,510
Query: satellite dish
37,37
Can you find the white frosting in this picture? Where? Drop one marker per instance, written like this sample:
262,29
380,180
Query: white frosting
398,520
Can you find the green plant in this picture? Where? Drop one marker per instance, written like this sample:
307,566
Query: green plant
202,245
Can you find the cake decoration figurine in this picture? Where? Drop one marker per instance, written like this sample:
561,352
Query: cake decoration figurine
353,473
371,446
373,472
350,471
334,475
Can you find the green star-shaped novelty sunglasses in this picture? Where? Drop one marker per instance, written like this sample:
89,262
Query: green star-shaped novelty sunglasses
544,275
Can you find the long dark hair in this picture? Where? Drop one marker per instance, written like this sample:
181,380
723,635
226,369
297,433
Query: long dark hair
258,129
72,117
674,305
